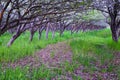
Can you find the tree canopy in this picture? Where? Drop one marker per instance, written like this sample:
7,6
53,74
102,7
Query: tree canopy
22,15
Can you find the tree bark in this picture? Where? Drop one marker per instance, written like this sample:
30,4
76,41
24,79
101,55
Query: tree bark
40,31
61,32
3,10
15,36
40,34
31,36
53,34
47,31
114,30
114,34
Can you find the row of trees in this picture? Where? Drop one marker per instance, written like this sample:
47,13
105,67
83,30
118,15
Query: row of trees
17,16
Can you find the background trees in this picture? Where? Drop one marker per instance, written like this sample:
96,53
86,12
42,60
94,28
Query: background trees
17,16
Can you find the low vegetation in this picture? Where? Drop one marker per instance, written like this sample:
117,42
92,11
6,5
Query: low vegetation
93,54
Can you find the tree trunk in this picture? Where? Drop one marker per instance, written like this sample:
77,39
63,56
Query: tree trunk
71,30
40,34
40,31
114,31
15,36
62,29
31,36
0,32
53,34
47,31
61,32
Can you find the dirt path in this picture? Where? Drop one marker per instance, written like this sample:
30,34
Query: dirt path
55,54
51,56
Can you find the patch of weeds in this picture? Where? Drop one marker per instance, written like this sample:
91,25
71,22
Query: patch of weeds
52,54
110,68
117,70
76,77
58,71
38,47
26,73
69,67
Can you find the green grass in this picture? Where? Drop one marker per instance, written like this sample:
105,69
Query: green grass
88,48
26,74
94,47
23,47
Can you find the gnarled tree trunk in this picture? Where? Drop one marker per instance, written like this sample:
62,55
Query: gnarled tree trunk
15,36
